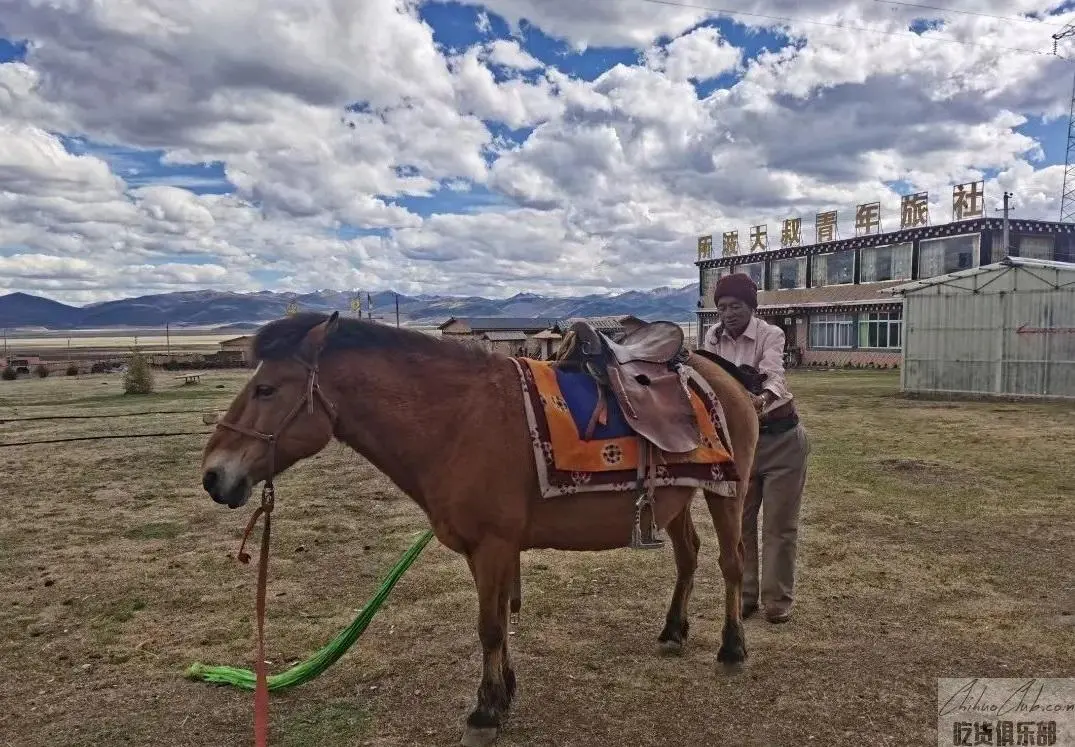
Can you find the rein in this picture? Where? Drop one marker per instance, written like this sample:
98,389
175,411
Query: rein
268,498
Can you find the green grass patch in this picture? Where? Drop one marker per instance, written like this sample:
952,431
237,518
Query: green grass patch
337,723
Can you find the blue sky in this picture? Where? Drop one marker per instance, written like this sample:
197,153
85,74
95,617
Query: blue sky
610,196
457,27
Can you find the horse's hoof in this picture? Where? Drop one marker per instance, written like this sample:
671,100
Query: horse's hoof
732,667
672,648
475,737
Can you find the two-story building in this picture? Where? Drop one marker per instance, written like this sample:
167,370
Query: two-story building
827,295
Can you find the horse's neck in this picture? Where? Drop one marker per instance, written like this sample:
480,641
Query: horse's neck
404,417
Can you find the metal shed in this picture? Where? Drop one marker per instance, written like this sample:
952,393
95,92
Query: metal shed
1004,330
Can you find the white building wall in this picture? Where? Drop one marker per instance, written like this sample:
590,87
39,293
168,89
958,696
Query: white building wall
1003,331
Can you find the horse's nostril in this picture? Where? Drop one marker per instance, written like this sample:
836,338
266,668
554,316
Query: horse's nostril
209,480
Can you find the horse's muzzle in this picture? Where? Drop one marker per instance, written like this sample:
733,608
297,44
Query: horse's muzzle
230,493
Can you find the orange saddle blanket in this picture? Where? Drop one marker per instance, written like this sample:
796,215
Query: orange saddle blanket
559,405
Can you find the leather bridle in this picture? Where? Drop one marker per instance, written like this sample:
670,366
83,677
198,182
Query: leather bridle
311,393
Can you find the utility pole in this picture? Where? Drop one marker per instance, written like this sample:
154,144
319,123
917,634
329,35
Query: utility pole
167,338
1067,194
397,310
1007,234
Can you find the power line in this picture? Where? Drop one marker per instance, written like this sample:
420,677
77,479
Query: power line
101,438
844,26
96,416
1024,19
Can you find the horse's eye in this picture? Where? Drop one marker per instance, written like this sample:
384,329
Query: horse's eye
264,390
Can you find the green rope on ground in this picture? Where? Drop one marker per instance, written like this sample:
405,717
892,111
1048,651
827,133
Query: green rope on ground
307,670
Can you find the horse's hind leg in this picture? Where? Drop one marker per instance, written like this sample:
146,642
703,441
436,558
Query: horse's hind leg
685,544
492,564
727,518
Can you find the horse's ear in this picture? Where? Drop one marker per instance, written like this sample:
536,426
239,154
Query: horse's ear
316,337
332,324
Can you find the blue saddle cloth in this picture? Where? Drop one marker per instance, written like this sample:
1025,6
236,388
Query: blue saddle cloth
580,393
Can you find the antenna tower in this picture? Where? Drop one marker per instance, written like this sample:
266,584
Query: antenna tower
1067,197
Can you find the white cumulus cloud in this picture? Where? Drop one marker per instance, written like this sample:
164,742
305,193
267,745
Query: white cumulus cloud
362,152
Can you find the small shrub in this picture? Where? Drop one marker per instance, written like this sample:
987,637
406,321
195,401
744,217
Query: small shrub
9,374
72,370
139,377
41,371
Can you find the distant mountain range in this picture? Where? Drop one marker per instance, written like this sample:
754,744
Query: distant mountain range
243,311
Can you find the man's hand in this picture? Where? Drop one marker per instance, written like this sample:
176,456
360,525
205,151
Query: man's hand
762,401
759,403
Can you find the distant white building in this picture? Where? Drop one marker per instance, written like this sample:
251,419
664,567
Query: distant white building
1005,329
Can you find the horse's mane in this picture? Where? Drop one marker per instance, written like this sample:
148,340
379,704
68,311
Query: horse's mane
750,378
282,338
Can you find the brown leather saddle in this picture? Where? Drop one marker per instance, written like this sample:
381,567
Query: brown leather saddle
642,372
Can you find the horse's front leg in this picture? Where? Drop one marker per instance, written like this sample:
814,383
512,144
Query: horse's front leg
492,564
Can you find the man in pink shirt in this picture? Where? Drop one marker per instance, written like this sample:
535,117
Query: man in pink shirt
779,473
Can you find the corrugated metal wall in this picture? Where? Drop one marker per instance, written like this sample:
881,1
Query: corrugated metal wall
1011,331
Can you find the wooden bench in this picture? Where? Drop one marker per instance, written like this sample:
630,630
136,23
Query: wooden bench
190,378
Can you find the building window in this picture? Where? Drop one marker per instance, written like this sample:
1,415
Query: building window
832,331
881,263
788,273
710,277
1036,247
756,271
880,329
837,268
951,254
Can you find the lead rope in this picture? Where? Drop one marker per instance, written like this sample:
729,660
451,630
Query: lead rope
261,689
268,500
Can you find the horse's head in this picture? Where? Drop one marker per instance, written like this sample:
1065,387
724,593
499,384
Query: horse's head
280,417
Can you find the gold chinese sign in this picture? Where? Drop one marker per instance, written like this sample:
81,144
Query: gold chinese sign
292,309
914,210
759,238
868,219
705,247
825,226
731,243
791,232
968,200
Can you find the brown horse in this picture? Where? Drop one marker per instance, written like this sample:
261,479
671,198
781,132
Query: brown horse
445,422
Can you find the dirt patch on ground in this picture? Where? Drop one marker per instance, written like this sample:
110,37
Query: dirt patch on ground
922,470
924,553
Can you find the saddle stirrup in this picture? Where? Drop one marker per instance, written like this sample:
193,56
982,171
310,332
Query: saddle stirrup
645,497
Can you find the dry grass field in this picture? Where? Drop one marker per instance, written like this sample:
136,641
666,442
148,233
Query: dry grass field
937,541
